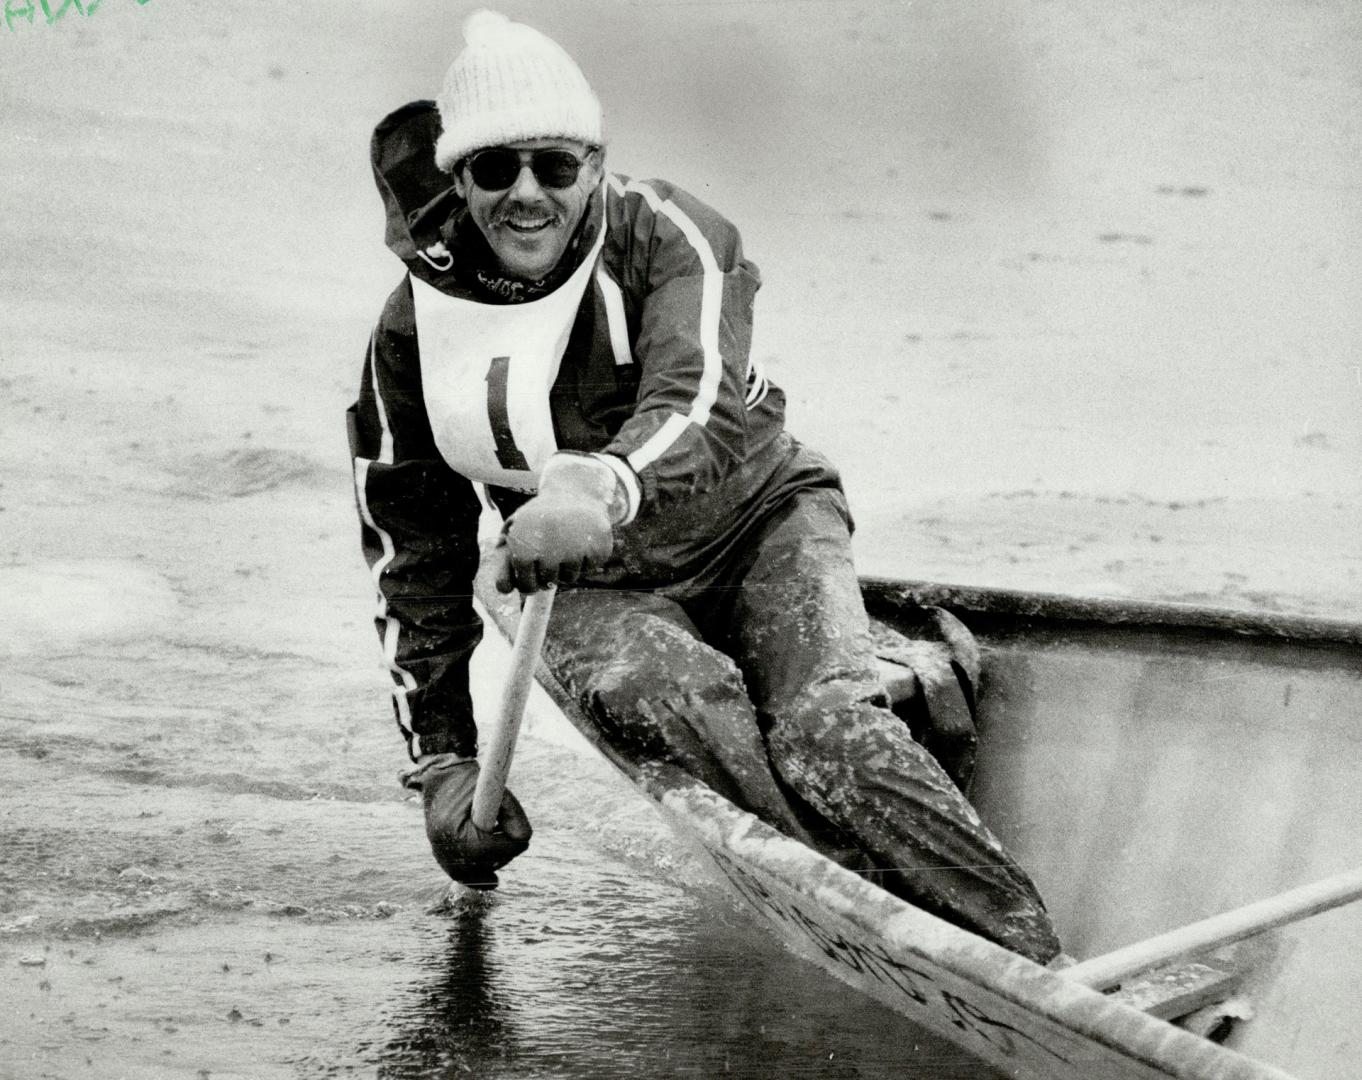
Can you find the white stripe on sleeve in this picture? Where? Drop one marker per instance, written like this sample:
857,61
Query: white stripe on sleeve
662,438
614,316
391,627
757,386
711,297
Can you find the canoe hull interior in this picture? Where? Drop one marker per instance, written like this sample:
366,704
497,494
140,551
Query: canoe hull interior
1154,765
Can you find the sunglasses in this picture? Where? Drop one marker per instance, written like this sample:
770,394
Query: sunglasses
499,168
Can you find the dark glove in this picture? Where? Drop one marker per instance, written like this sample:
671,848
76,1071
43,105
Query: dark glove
563,531
465,852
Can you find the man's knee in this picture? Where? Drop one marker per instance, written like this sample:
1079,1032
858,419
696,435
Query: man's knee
832,709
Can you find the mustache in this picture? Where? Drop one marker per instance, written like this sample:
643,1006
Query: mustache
524,209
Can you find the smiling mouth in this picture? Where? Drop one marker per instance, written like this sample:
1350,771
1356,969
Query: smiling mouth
528,225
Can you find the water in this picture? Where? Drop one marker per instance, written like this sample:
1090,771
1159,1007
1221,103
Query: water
210,871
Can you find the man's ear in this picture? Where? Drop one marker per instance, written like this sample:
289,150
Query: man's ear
459,186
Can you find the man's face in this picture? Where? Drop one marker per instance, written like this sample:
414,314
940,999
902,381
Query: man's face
528,224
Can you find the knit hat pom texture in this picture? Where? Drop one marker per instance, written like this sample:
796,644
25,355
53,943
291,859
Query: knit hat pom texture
511,83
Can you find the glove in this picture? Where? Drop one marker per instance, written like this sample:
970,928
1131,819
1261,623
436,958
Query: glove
564,530
465,852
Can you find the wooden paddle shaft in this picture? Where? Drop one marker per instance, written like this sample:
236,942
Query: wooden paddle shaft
1111,968
496,757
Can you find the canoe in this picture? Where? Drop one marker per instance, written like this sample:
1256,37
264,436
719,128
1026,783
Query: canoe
1181,782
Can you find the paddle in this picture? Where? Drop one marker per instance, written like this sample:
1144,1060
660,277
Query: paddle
1107,970
496,758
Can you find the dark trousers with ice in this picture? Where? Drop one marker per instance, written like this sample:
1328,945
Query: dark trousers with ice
763,683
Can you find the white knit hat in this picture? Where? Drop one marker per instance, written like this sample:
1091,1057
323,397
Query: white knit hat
510,83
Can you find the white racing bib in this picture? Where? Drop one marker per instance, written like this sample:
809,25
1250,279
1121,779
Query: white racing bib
486,372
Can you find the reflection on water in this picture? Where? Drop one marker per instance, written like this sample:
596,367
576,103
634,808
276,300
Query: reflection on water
455,1017
637,980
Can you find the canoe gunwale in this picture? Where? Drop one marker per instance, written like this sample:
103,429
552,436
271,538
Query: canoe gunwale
982,607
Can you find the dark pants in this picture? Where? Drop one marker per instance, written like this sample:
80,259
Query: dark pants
763,683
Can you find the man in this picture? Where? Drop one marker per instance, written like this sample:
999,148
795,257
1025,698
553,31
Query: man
578,343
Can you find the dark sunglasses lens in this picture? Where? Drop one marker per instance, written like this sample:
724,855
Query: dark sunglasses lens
496,170
556,168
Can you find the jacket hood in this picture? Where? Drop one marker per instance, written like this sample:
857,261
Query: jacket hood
417,197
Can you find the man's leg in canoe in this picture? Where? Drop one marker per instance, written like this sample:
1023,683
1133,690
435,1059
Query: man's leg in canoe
635,664
801,637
